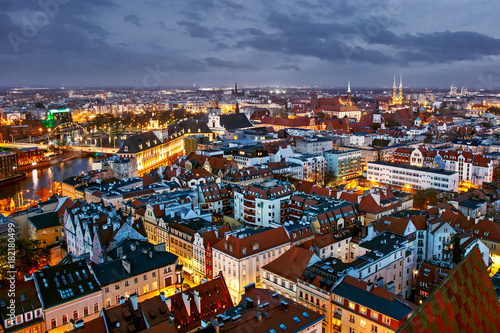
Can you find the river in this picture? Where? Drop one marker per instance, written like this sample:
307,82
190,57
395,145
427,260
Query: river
44,177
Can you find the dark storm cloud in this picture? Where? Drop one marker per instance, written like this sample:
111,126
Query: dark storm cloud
219,63
133,19
112,40
286,67
441,47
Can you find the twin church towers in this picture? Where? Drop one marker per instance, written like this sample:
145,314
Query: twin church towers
397,98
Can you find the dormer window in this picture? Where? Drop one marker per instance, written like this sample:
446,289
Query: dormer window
255,246
125,148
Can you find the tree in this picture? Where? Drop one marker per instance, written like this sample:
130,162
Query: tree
39,105
43,193
422,198
30,255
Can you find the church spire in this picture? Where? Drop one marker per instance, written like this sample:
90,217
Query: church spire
394,92
349,99
348,86
400,97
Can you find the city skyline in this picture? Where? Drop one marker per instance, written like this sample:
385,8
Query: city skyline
212,43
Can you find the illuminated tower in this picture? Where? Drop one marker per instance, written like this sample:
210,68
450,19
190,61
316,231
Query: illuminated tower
349,99
400,97
394,92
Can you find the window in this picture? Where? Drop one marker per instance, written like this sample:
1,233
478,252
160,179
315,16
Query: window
64,319
155,285
352,318
106,289
374,315
145,277
86,311
108,302
362,323
154,274
136,280
352,330
117,299
146,289
96,307
352,305
362,309
374,328
53,323
75,314
338,299
117,286
386,320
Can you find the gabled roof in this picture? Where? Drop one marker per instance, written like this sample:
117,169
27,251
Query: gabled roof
234,121
291,264
464,302
140,142
45,221
252,244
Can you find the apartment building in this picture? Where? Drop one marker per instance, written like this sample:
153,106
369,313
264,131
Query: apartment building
344,164
68,291
313,145
313,165
411,177
263,204
143,272
359,306
240,256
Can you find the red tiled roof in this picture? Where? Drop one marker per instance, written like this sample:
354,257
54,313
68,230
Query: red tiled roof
291,264
464,302
242,247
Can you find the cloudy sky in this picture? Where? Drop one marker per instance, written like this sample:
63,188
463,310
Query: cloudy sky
156,43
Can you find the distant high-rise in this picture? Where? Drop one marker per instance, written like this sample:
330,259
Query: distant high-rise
453,90
463,92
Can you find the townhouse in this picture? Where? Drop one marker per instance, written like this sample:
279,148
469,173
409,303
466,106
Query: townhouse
68,291
281,275
240,255
143,272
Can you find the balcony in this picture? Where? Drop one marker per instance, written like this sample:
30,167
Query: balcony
249,204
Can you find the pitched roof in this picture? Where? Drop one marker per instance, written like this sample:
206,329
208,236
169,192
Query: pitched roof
291,264
275,313
64,283
140,262
252,244
234,121
464,302
140,142
46,220
377,299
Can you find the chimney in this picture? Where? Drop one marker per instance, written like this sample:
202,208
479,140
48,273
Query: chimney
133,300
187,302
126,264
168,302
162,296
72,324
259,316
197,299
119,252
172,214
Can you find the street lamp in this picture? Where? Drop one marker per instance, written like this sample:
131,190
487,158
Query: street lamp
20,198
